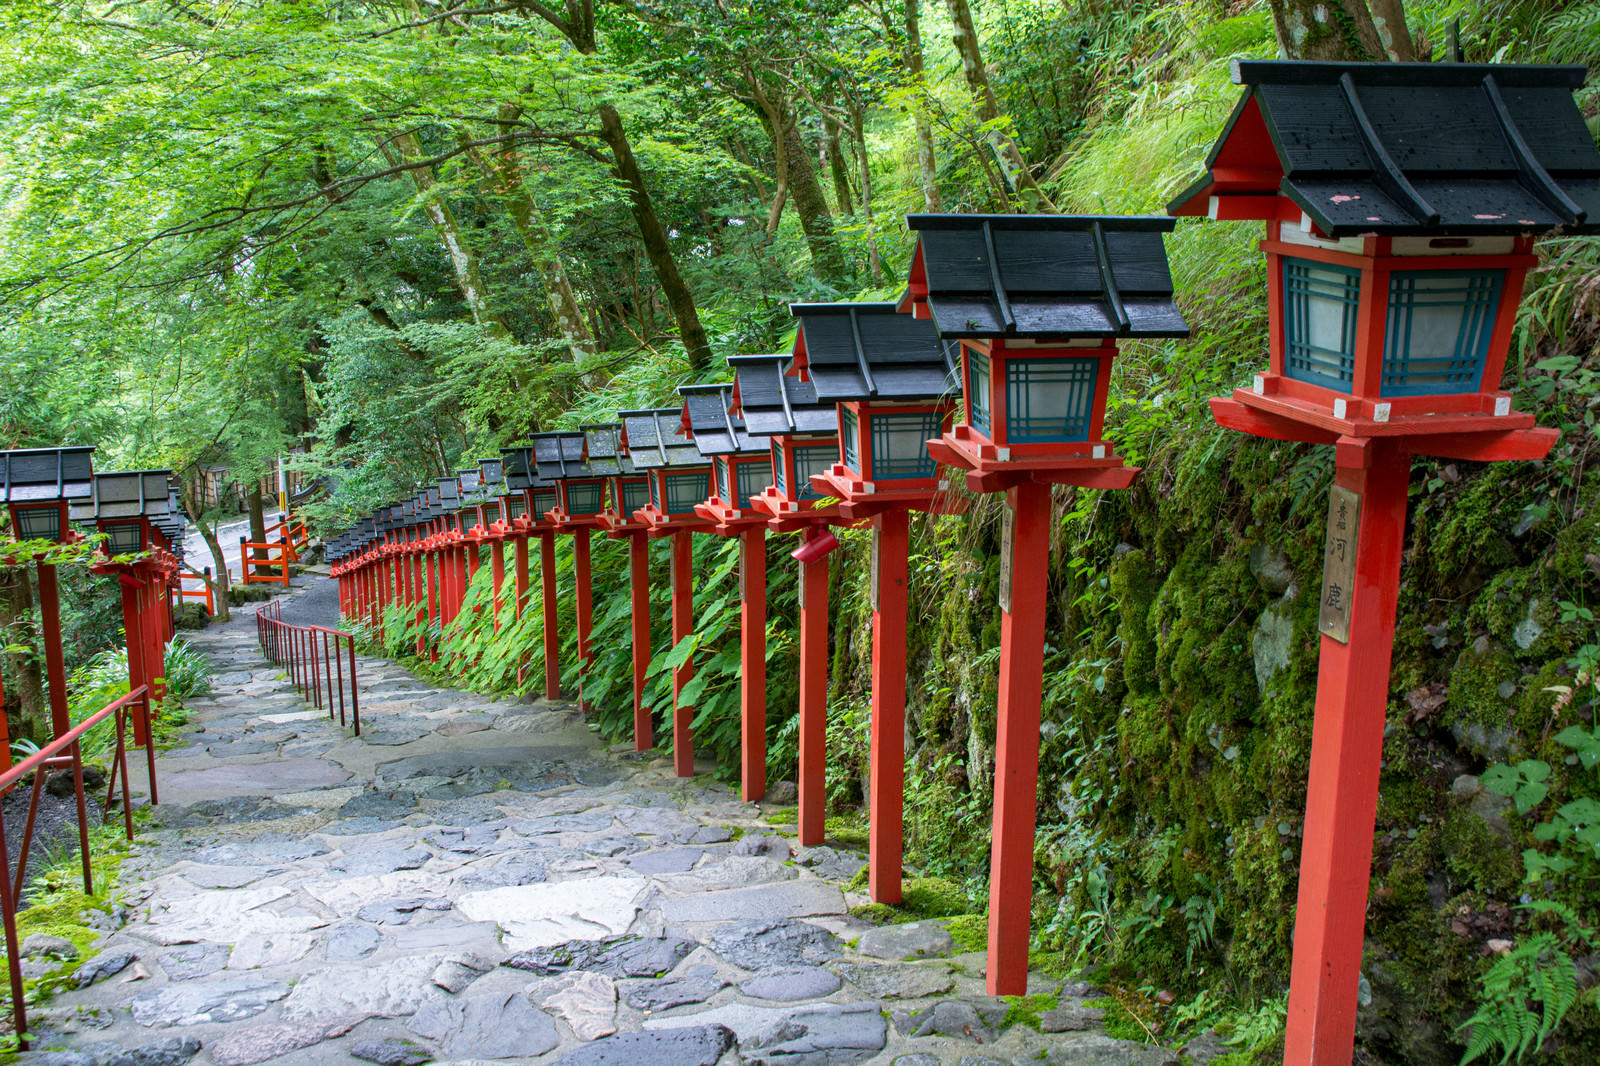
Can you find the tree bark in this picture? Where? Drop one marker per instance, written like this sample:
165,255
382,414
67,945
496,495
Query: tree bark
258,522
927,162
25,680
502,173
858,129
1328,30
812,206
194,503
841,178
1006,152
1389,18
654,235
463,261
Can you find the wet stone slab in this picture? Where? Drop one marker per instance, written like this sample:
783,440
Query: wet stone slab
478,881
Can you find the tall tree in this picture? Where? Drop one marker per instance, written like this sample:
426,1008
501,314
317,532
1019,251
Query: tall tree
576,23
1006,152
1342,29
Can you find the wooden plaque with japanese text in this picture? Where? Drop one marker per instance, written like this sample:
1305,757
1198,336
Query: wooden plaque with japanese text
1339,564
1008,517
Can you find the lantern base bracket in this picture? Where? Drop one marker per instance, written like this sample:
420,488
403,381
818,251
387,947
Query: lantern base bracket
987,474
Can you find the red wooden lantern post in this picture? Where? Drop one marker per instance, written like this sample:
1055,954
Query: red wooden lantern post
1038,304
38,484
891,379
580,500
520,474
1395,265
123,506
741,467
777,402
626,492
680,478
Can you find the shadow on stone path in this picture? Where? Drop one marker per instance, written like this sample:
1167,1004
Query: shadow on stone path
482,880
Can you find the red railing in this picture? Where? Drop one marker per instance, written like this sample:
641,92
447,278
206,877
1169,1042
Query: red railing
201,593
292,533
285,555
312,656
51,757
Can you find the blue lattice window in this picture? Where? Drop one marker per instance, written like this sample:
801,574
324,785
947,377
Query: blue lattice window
516,505
491,513
1050,399
812,459
583,497
978,392
635,494
1438,330
655,494
544,501
684,491
851,441
1320,302
900,445
781,478
724,489
754,477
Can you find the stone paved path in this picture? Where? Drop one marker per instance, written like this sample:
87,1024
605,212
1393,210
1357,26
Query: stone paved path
482,880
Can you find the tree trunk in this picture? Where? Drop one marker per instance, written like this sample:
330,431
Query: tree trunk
194,503
841,177
1328,30
463,261
654,235
858,128
258,523
1389,18
20,640
806,192
502,174
927,162
1006,152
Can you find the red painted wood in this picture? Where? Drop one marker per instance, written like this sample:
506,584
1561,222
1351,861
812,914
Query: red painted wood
54,664
753,675
552,642
682,626
1346,753
585,595
520,566
885,835
639,566
1016,776
154,626
133,632
814,698
497,568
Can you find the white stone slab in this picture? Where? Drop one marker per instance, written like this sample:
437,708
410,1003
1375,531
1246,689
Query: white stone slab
540,915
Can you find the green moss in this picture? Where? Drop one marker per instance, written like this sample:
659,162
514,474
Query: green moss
1119,1021
969,931
847,831
783,815
1025,1010
920,898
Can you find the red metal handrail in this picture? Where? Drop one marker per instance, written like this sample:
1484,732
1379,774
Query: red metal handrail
50,757
315,668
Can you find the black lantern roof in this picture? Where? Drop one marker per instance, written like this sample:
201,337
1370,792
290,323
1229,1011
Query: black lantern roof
493,473
560,455
519,468
35,475
471,479
775,403
449,493
1045,276
707,409
125,494
1408,148
602,443
653,439
869,351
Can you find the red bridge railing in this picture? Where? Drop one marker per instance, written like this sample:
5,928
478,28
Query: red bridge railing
313,656
60,754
